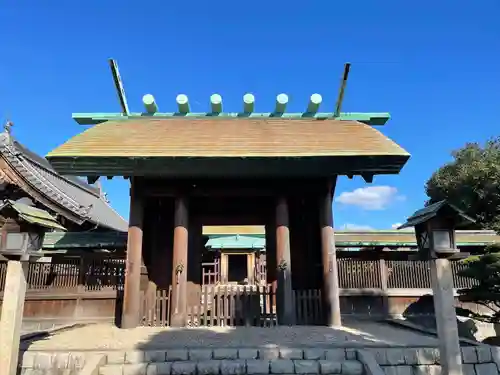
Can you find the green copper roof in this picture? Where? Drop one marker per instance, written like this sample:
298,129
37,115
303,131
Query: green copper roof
236,242
34,215
88,240
433,210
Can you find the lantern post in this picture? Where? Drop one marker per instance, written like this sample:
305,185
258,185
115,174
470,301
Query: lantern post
435,233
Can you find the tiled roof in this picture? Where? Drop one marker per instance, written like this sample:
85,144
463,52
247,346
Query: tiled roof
33,215
215,137
82,200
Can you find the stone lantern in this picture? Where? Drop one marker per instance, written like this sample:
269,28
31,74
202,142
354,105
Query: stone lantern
435,233
435,229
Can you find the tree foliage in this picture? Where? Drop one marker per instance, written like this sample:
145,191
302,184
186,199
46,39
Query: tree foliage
485,270
471,182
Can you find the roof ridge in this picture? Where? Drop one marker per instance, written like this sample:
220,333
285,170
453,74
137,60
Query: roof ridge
60,191
29,155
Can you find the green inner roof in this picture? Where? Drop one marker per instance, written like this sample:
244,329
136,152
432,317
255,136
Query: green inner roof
236,242
34,215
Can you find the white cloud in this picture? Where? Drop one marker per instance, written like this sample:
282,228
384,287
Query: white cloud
355,227
370,198
396,225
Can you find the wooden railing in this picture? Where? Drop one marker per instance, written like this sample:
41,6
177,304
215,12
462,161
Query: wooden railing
308,307
93,273
159,314
234,306
392,274
210,272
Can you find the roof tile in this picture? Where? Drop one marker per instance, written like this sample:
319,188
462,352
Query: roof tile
188,137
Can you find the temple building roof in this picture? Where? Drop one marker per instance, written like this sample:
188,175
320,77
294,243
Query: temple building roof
225,144
32,215
120,147
254,234
68,196
229,138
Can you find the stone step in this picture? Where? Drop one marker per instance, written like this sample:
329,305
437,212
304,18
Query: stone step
236,367
198,361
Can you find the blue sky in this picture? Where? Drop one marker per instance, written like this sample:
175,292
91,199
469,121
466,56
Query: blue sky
433,65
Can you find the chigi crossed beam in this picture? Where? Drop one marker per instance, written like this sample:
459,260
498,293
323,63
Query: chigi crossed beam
216,107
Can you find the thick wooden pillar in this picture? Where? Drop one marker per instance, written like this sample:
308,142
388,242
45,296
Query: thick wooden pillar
284,262
195,249
329,258
180,258
271,265
132,292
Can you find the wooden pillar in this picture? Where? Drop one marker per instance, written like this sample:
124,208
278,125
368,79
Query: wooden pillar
195,249
284,262
329,259
132,292
223,268
180,258
271,266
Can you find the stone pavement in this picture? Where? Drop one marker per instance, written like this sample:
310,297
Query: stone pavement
359,348
109,337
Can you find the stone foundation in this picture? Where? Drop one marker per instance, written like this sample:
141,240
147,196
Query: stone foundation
480,360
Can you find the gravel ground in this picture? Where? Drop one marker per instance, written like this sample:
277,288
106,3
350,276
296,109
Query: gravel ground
108,337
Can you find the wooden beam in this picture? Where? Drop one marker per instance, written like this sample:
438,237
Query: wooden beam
314,103
182,103
119,86
149,103
97,118
343,84
216,103
248,103
368,178
92,179
281,102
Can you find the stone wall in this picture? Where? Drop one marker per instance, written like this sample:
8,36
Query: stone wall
477,360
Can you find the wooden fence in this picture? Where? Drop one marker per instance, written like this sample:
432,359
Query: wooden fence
234,306
106,272
368,288
211,272
73,273
392,274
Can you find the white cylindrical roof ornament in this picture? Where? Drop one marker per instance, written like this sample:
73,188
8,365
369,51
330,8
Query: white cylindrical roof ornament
248,103
281,102
216,103
314,103
182,103
149,103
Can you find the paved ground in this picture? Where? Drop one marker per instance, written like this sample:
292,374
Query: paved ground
108,337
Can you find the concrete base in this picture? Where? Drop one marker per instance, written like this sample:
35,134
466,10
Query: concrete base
12,316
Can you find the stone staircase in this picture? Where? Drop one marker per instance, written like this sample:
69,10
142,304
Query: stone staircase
477,360
232,361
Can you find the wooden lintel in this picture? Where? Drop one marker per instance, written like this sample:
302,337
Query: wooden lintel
97,118
368,178
231,188
92,179
220,192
